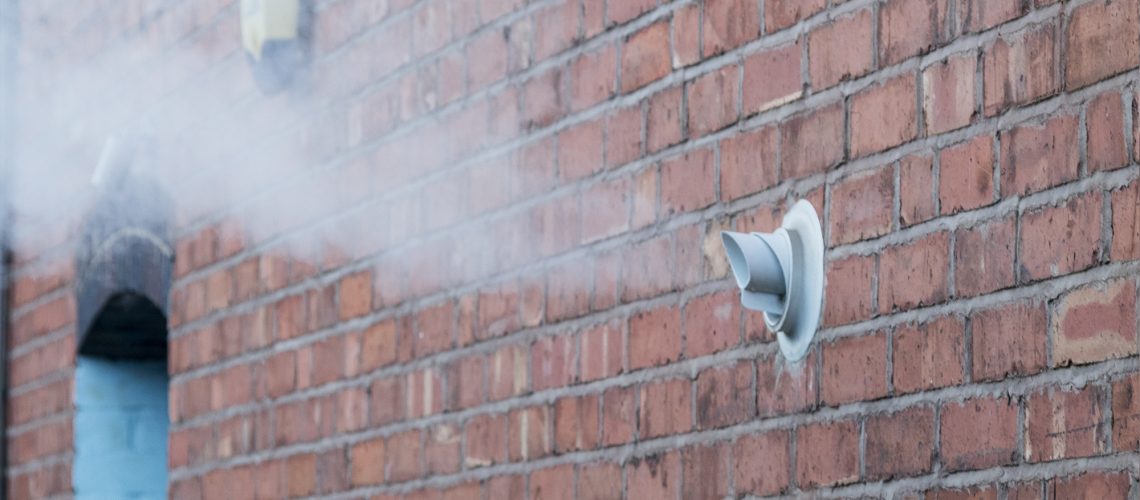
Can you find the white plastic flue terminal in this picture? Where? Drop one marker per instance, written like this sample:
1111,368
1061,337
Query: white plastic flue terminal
781,274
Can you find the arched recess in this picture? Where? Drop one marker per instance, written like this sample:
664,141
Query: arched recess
124,266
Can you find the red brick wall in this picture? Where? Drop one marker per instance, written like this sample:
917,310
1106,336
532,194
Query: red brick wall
496,271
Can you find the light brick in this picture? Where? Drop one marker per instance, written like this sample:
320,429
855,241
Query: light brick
1095,323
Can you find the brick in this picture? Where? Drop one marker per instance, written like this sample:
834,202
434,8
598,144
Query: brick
553,362
848,291
711,323
1095,323
729,24
1090,485
367,459
1104,122
780,14
978,433
405,465
686,35
1055,241
1126,223
1031,490
529,435
1064,424
355,295
542,99
665,408
435,327
465,382
1101,39
486,441
555,29
580,150
812,142
576,423
624,142
553,483
724,396
981,15
914,274
598,481
1020,68
748,163
783,388
647,269
654,337
654,476
762,463
705,471
1035,157
605,213
899,444
601,351
983,492
663,122
827,454
1126,413
621,12
840,50
593,78
712,100
884,116
507,373
645,57
507,486
773,77
916,189
948,101
983,257
908,28
1008,341
619,416
687,182
862,206
854,369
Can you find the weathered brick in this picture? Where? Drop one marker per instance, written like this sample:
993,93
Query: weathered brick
598,481
861,206
783,388
1126,413
773,77
1035,157
729,24
1090,485
914,274
884,116
908,28
530,433
665,408
711,323
948,93
966,175
687,35
848,292
983,257
827,454
663,122
1104,126
1126,223
724,396
705,471
553,362
712,100
748,163
654,476
619,416
687,182
486,442
1101,39
1094,323
654,337
1055,241
601,351
576,423
812,142
1008,341
645,57
1064,424
620,12
978,433
981,15
839,50
1020,68
900,444
762,463
916,189
780,14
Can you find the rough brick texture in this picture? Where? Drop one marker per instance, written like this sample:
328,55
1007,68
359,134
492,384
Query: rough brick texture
474,252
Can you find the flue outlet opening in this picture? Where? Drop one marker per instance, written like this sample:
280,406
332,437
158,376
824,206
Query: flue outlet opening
781,275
